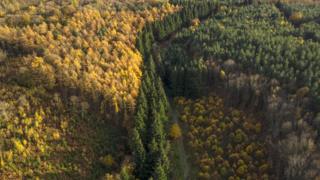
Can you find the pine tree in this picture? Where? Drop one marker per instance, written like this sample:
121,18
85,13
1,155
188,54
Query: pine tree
147,39
140,116
140,45
160,173
162,95
151,65
138,154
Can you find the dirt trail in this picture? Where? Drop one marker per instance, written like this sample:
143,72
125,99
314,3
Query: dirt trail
183,157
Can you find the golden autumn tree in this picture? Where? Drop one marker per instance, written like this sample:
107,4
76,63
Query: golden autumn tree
175,131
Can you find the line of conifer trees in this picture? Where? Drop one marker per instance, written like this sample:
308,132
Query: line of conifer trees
149,143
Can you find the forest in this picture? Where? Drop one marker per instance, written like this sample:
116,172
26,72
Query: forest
160,89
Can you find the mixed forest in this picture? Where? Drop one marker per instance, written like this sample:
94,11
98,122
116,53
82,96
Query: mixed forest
155,89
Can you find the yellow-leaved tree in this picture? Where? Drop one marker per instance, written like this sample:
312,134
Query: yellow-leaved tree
175,131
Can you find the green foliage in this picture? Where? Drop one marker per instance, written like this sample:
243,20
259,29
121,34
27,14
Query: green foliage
258,38
191,10
149,143
310,31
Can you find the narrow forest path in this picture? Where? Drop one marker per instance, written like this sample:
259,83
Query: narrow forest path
184,166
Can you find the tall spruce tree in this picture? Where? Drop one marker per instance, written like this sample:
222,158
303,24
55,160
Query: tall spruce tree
138,154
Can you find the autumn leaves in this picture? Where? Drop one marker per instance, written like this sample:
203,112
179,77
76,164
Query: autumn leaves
67,60
224,142
107,64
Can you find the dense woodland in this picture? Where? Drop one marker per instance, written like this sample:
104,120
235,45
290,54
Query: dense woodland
98,89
